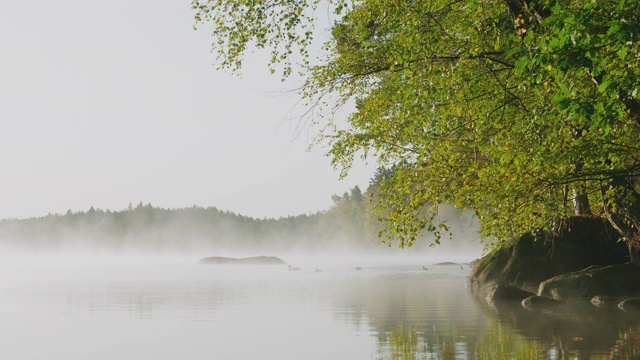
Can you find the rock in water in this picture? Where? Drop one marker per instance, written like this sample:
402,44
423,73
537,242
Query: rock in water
507,293
614,280
255,260
603,300
528,260
539,303
632,304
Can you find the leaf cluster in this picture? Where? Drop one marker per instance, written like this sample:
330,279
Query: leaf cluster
514,109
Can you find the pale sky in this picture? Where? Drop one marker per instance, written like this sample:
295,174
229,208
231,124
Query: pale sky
109,102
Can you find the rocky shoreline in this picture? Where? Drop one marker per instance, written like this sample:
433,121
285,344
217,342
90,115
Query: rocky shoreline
586,261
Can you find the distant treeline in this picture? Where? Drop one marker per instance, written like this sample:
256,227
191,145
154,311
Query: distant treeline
348,225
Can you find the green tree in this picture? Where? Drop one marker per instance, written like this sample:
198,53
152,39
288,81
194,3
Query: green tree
523,111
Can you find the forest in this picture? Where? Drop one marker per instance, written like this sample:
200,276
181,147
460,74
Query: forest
349,225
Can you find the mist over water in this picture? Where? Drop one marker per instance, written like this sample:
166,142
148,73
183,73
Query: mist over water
148,234
170,308
129,286
140,305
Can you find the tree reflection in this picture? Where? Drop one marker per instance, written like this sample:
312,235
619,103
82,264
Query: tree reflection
502,342
575,331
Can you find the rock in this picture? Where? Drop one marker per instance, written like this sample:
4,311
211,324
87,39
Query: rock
507,293
604,300
614,280
632,304
528,260
539,303
255,260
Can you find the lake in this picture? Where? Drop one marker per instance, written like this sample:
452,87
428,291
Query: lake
162,308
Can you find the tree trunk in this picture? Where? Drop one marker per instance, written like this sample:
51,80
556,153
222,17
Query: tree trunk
634,254
581,204
627,232
626,216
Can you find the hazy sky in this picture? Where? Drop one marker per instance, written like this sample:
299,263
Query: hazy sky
103,103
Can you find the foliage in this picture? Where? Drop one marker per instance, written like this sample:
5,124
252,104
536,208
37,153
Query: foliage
516,109
240,24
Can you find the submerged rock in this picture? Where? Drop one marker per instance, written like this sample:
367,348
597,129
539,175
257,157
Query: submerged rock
255,260
604,300
527,261
507,293
632,304
614,281
539,303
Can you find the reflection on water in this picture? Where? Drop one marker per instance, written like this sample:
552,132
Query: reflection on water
181,310
576,330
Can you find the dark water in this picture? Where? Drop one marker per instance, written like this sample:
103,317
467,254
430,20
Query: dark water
181,310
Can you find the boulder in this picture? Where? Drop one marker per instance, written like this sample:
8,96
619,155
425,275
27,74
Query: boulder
255,260
604,300
473,262
528,260
632,304
614,281
540,303
507,293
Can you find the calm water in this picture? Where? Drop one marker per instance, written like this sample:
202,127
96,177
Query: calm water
106,309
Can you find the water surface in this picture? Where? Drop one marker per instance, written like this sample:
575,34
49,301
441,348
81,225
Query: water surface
160,309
